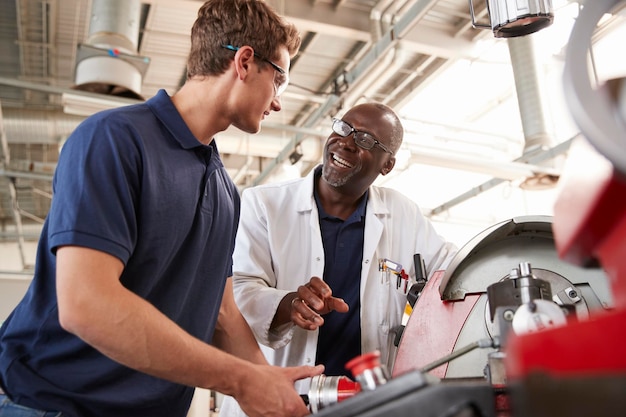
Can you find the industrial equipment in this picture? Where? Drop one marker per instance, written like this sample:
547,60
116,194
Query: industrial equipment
452,356
529,318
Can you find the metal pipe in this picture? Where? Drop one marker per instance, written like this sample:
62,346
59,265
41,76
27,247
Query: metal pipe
6,159
551,153
528,84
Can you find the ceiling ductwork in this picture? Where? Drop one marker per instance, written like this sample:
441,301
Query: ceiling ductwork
417,42
531,103
108,62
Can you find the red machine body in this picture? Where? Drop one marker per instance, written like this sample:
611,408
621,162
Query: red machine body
433,330
582,366
587,377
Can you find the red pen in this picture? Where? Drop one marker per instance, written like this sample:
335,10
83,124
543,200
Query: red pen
405,277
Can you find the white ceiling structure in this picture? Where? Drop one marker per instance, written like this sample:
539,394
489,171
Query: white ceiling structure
487,129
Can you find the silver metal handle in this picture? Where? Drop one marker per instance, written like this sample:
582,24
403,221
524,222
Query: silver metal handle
474,24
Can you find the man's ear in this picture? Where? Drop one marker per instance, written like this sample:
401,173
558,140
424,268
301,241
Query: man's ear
243,58
386,169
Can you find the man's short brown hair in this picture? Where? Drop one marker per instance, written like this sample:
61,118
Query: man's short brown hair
237,23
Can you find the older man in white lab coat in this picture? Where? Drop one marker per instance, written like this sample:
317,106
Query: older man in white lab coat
307,262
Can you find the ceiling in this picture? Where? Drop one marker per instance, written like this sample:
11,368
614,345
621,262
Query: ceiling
453,85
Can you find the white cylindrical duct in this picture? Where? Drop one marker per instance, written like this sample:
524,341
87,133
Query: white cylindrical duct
528,84
529,92
115,23
106,65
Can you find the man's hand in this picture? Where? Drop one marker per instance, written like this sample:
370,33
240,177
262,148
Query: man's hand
313,300
270,391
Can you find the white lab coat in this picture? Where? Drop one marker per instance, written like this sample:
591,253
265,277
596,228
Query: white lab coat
279,247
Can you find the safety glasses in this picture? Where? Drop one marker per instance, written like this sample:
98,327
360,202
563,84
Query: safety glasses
362,139
281,78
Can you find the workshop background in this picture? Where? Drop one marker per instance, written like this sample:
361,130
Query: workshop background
487,128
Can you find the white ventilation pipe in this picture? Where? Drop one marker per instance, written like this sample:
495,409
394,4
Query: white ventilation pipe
107,61
530,98
528,84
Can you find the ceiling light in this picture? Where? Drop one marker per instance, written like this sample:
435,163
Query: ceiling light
511,18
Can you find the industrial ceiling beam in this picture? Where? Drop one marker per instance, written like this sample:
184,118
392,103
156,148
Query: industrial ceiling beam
112,101
536,159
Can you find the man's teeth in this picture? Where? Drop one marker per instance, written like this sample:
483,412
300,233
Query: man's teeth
342,162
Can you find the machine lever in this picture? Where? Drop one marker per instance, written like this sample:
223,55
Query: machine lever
483,343
420,280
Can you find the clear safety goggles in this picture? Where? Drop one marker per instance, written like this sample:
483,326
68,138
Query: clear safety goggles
362,139
281,78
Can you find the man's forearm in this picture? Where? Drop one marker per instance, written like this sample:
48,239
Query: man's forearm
232,332
234,336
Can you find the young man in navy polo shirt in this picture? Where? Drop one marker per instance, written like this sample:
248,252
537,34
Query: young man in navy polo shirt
131,306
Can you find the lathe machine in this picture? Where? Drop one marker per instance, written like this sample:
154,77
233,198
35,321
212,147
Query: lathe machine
530,317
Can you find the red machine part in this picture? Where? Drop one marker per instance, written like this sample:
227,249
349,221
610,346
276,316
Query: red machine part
590,217
367,370
580,366
346,388
422,342
589,223
328,390
364,362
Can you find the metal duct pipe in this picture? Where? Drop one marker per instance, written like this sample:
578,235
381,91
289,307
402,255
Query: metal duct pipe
530,100
376,17
529,92
107,62
357,90
4,160
25,126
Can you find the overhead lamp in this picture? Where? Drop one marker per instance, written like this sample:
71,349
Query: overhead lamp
512,18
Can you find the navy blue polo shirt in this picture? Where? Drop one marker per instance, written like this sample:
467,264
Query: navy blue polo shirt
133,182
339,338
